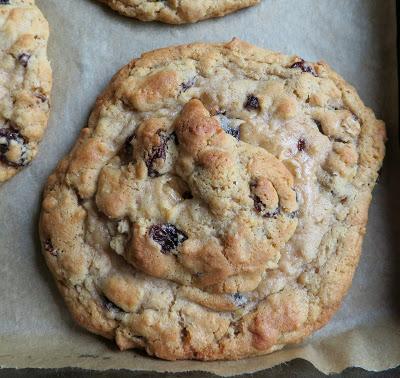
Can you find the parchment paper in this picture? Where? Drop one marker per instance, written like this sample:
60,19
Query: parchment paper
88,44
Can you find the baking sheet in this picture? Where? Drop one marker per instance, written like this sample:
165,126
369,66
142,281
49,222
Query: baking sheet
88,44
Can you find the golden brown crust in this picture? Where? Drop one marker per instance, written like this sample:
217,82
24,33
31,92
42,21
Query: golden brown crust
303,152
177,11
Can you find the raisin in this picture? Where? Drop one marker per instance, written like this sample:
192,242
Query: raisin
252,102
48,247
258,205
8,136
167,236
224,122
239,299
301,144
305,67
188,84
157,152
187,195
23,59
128,148
126,151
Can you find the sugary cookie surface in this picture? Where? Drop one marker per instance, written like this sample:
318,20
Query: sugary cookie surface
215,205
177,11
25,83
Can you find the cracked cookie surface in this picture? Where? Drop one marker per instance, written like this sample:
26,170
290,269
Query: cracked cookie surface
177,11
214,207
25,84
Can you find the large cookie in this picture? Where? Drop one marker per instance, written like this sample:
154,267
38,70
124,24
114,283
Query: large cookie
215,206
25,83
177,11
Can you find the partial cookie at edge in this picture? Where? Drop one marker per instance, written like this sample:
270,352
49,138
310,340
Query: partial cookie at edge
173,12
25,84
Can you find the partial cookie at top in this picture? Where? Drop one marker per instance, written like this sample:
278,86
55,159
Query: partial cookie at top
177,12
25,84
215,206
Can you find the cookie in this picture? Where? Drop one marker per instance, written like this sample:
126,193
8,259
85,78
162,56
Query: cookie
25,84
177,12
215,205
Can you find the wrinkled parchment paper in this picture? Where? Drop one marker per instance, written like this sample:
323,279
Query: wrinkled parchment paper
88,44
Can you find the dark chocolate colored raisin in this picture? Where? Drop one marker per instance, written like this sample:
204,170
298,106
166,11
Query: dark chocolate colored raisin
128,148
167,236
126,151
239,299
224,122
23,59
157,152
187,195
301,144
48,247
8,135
258,205
252,102
304,66
188,84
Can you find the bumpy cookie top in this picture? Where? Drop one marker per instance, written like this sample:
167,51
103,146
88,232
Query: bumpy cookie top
25,83
177,11
215,205
207,210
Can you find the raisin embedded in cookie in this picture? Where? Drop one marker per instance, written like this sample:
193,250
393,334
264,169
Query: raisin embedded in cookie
25,83
177,12
214,207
